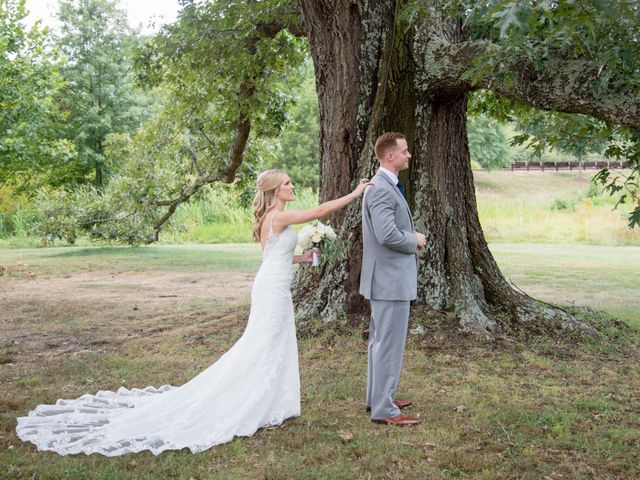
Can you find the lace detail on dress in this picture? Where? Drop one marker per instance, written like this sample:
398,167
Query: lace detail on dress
271,237
270,240
255,384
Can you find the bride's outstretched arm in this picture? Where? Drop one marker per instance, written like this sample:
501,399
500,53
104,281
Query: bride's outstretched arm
295,217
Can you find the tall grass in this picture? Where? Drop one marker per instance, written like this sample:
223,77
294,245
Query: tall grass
16,229
18,223
220,216
549,207
514,207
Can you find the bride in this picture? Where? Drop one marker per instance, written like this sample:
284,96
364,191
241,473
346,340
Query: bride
255,384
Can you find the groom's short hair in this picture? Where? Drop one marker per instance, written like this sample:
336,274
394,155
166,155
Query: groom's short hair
385,142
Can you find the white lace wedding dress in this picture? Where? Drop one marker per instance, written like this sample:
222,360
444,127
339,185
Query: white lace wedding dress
255,384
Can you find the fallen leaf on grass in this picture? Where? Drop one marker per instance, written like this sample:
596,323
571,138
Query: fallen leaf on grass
345,436
460,408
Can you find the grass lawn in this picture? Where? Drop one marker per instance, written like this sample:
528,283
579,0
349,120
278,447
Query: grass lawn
76,320
596,276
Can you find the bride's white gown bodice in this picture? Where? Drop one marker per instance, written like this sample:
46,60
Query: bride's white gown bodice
254,384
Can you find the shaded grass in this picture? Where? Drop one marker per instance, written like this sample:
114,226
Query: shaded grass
61,260
486,413
488,410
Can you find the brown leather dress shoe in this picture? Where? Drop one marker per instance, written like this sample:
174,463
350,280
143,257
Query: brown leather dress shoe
397,403
397,420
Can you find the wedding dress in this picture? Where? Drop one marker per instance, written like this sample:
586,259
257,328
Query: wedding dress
255,384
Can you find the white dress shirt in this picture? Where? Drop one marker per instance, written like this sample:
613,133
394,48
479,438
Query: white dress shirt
392,176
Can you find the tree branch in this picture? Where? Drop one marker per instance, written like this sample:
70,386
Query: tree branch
206,137
241,131
194,161
173,204
187,192
556,85
236,152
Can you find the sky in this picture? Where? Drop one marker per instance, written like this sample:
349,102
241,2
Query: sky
141,12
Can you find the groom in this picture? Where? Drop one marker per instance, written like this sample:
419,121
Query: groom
388,278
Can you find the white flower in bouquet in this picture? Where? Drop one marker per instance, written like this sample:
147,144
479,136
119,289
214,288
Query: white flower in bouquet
304,236
316,235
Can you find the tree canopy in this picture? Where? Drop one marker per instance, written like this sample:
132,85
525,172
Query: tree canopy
579,62
98,97
31,146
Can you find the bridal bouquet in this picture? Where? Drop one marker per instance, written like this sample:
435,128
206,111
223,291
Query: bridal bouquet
317,235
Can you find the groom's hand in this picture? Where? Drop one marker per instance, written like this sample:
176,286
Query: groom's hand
422,240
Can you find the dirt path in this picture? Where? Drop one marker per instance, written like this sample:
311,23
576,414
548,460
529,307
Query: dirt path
99,310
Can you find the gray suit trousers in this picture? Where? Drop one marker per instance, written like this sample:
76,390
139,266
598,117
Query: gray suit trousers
387,338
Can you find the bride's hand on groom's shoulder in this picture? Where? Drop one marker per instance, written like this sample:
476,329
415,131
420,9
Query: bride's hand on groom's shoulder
364,183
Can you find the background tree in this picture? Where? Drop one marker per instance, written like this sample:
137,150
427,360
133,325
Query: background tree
32,150
226,71
99,96
298,151
488,143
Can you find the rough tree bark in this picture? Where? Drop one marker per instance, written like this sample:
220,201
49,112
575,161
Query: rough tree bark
373,77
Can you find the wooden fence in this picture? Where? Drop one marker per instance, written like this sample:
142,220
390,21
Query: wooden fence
569,166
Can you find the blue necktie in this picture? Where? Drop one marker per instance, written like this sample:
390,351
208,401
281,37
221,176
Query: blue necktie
402,190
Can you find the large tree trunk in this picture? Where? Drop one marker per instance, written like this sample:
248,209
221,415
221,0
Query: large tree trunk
347,42
372,77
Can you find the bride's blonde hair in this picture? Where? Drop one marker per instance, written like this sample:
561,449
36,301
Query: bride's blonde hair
265,199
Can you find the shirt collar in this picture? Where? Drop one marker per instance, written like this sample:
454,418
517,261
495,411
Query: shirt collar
392,176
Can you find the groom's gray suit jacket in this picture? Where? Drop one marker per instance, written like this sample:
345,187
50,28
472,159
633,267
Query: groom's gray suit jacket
389,262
